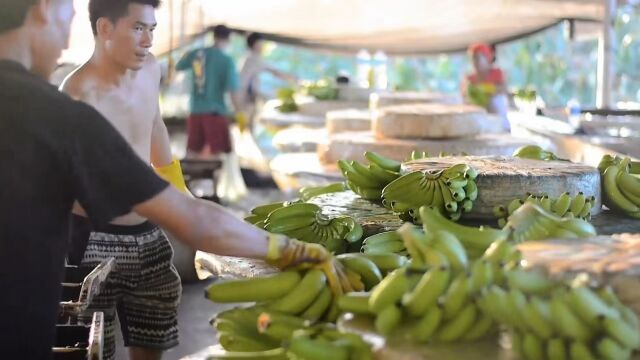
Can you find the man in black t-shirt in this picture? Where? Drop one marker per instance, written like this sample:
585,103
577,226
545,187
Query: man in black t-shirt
54,150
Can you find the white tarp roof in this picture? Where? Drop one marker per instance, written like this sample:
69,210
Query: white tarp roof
395,26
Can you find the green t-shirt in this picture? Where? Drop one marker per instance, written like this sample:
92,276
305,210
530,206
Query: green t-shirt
218,76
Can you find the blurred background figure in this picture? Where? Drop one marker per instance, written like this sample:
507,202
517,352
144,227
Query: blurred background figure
486,86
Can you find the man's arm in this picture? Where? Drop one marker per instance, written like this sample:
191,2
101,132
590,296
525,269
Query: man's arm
185,62
204,225
160,143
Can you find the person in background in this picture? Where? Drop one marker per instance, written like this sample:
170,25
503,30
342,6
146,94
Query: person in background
57,150
486,86
214,75
250,72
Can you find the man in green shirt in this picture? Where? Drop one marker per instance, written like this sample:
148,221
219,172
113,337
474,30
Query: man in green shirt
214,74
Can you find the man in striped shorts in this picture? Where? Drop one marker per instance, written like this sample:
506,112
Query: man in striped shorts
121,81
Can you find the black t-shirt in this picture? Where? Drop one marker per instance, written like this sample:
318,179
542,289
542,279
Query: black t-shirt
52,150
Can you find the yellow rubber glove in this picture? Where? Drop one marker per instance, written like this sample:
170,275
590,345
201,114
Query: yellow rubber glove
172,173
242,120
285,253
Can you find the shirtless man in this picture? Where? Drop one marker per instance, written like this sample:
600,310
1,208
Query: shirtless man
121,81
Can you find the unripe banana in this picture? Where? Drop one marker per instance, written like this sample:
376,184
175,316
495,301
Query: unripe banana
319,307
589,307
498,252
366,268
275,354
537,316
499,211
234,342
619,330
580,351
357,303
609,349
471,189
382,237
383,162
387,262
577,203
562,204
317,349
457,327
425,295
427,325
579,227
532,347
278,327
567,323
382,175
389,291
481,276
302,295
383,248
258,289
265,210
388,319
450,203
514,205
450,246
530,282
456,296
613,197
283,226
297,209
516,302
483,326
557,349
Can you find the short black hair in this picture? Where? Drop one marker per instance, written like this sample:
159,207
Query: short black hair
221,32
113,10
13,13
253,38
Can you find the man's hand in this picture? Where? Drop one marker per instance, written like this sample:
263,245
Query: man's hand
286,253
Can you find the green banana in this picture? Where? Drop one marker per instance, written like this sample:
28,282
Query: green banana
530,282
382,175
366,172
265,210
629,183
557,349
516,302
514,205
252,219
388,319
383,237
483,326
579,227
471,237
319,306
355,229
426,293
580,351
481,276
467,206
532,347
457,327
278,326
292,223
456,296
577,203
471,189
496,301
613,197
364,267
450,204
622,332
450,246
537,316
298,209
317,349
498,252
274,354
234,342
534,152
427,325
611,350
567,323
387,262
385,163
357,303
303,295
389,291
589,307
383,248
562,204
258,289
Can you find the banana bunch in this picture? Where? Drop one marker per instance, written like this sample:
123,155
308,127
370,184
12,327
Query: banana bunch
417,155
532,222
434,296
554,320
305,222
578,206
621,188
256,333
306,193
534,152
475,240
368,181
452,191
384,243
259,214
608,160
306,294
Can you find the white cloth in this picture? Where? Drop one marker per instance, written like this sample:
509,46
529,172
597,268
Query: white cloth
250,78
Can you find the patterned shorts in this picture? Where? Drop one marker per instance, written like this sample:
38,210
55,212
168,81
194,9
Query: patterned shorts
143,289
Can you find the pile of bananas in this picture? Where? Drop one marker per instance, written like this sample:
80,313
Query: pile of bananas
417,155
452,191
307,193
621,186
305,222
434,296
553,320
257,333
531,222
534,152
305,294
368,181
578,206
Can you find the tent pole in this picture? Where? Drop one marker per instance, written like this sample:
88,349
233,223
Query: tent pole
606,56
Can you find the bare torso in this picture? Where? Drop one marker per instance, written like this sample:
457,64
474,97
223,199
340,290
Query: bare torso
131,107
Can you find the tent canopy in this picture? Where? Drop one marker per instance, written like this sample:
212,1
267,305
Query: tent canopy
394,26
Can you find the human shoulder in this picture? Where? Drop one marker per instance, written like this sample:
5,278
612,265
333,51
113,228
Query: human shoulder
153,68
78,82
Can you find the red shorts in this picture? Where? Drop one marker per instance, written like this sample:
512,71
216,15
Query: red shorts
208,133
